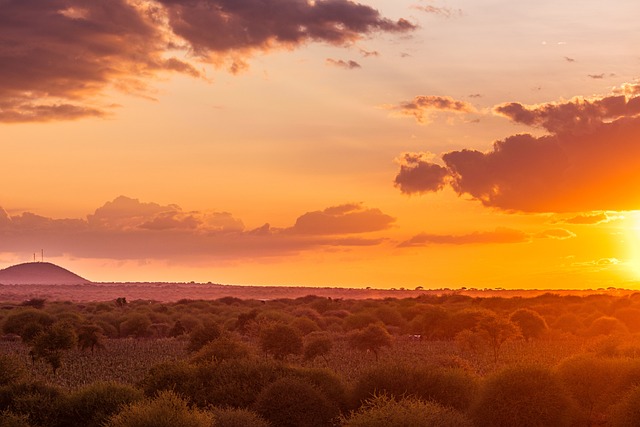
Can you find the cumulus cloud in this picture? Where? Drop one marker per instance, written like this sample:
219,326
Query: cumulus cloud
587,162
350,65
342,219
127,228
422,106
59,56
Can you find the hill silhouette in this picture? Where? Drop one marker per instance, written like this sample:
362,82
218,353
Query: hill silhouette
39,273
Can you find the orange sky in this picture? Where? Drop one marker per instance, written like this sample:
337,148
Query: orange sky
323,143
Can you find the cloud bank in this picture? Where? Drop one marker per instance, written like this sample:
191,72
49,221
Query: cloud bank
126,228
588,161
59,57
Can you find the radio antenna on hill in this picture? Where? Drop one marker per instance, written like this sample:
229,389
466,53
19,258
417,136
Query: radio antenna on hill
42,255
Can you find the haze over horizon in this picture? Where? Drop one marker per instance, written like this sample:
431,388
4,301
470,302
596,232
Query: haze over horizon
323,143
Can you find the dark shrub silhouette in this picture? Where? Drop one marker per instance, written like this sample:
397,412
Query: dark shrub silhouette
50,344
317,344
202,335
167,409
40,402
94,404
447,386
372,339
385,411
231,417
291,402
531,324
280,341
222,348
523,396
627,412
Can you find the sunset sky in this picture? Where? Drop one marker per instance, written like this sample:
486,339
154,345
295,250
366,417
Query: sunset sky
382,143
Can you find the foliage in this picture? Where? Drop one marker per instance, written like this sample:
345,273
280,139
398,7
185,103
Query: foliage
135,325
524,396
317,344
50,344
384,411
496,331
27,323
627,412
280,340
94,404
202,335
237,417
372,338
167,409
531,324
222,348
449,387
291,402
38,401
9,419
11,369
90,337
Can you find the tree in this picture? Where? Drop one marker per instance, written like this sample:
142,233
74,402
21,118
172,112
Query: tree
531,324
50,344
372,338
90,336
317,344
202,335
280,340
496,331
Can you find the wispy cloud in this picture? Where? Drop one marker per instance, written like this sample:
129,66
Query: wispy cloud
422,106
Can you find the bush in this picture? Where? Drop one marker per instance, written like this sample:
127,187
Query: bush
94,404
167,409
531,324
523,396
11,369
25,320
221,348
384,411
280,340
627,412
317,344
203,335
9,419
231,417
38,401
291,402
136,325
372,338
234,383
449,387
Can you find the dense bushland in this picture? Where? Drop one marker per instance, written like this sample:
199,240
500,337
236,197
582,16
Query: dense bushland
431,360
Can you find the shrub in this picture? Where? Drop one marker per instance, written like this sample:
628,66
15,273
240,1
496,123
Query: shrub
606,325
222,348
136,325
450,387
202,335
372,338
280,340
523,396
317,344
23,320
38,401
291,402
232,417
325,380
9,419
167,409
384,411
531,324
94,404
627,412
11,369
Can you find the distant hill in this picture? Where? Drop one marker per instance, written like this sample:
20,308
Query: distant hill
39,273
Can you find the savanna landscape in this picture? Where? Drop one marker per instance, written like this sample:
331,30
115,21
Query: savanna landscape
429,359
301,213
